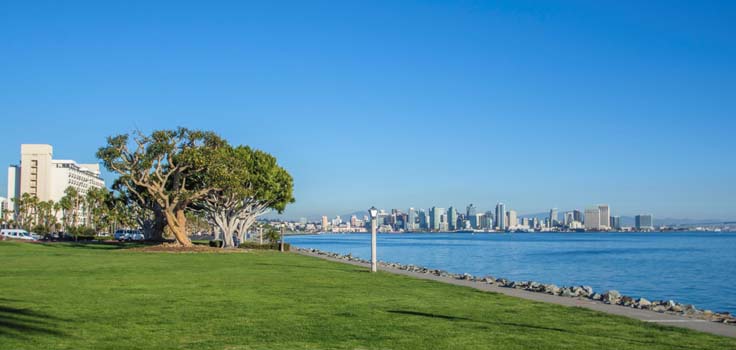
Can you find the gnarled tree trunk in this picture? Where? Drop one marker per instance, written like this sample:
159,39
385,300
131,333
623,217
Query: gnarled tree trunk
177,223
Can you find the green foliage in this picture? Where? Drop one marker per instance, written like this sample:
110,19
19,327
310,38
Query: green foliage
82,232
75,296
253,175
162,170
271,234
265,246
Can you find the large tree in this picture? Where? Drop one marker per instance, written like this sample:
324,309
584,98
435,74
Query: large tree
161,165
142,208
247,183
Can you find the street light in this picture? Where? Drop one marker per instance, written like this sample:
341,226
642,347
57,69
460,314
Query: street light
373,213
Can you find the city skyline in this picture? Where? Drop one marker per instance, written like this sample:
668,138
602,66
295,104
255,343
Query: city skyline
596,218
626,103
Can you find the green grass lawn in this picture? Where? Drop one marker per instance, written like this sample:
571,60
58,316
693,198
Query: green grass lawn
65,296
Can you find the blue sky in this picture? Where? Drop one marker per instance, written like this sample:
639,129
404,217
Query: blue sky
400,103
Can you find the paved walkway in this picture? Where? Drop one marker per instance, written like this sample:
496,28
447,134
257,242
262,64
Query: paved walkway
644,315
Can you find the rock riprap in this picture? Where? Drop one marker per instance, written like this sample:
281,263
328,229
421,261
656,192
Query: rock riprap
583,292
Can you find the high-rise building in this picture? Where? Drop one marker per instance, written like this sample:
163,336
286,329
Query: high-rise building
567,218
553,217
411,221
435,218
577,215
451,219
644,222
512,220
615,223
470,214
45,178
605,216
423,220
501,224
325,223
487,220
593,219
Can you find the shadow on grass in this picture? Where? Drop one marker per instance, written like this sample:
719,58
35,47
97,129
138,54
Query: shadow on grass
533,327
96,245
22,322
356,269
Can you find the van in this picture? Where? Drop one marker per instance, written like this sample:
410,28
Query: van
14,233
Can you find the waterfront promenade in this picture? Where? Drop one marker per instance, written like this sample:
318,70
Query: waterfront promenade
643,315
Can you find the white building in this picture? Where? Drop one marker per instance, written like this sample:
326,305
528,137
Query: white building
512,221
46,178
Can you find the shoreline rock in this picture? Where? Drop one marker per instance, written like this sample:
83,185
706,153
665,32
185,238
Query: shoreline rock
612,297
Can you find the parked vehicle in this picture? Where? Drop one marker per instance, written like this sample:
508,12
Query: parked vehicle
128,235
17,234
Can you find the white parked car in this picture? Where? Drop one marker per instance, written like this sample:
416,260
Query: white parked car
128,235
17,234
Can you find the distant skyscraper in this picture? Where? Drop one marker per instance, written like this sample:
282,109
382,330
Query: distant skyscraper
568,218
644,222
411,223
423,220
577,215
325,223
452,218
593,219
553,217
615,222
435,218
512,220
605,216
501,217
487,222
470,214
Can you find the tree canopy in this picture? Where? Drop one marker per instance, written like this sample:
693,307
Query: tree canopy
171,171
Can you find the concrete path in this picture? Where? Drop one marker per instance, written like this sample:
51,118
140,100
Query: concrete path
643,315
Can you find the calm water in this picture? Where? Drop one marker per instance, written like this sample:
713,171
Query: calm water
690,267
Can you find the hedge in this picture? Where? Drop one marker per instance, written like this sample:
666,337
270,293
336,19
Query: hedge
265,246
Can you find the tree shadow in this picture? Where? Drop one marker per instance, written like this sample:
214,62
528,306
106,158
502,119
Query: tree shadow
23,322
312,267
96,245
533,327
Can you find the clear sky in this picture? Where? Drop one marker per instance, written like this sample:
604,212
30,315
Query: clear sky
399,103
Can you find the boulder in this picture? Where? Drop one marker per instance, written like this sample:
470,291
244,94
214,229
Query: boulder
689,309
626,301
659,308
611,296
567,292
551,289
596,296
588,290
643,303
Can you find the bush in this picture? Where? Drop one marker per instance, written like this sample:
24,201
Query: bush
265,246
217,243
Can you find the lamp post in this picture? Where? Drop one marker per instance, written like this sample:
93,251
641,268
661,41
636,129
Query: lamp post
281,245
373,214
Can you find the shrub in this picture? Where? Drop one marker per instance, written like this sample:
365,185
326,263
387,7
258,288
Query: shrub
265,246
217,243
